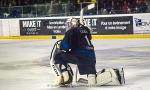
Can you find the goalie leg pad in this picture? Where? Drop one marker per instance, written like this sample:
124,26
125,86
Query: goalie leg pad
67,73
57,72
63,73
107,77
103,78
91,79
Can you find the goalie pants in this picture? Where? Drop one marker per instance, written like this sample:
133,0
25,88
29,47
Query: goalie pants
86,65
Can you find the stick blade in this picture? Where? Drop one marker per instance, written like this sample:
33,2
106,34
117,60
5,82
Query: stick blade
90,6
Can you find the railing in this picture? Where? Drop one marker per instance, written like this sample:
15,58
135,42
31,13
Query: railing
50,9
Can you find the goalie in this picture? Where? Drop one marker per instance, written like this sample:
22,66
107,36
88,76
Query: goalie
76,48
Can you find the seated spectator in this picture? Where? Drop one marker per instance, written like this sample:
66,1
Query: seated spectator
1,13
109,6
133,6
143,7
126,7
117,8
15,13
137,6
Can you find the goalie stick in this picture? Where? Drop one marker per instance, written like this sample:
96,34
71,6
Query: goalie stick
83,10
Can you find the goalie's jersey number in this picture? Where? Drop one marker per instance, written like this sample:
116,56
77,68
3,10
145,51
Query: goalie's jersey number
86,38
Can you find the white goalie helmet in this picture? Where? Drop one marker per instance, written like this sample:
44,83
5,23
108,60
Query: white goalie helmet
72,22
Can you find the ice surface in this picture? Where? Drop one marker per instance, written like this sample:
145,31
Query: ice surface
24,64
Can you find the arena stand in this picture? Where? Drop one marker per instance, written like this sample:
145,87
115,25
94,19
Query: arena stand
46,8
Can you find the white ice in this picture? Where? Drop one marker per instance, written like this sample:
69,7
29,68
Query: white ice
24,64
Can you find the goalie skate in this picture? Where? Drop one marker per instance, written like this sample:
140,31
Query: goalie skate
122,81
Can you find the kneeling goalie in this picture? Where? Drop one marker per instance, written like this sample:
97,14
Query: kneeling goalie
76,48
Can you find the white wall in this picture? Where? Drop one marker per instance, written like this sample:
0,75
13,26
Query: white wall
9,27
5,27
14,27
1,30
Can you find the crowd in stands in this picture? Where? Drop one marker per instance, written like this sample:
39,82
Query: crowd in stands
8,3
123,6
11,8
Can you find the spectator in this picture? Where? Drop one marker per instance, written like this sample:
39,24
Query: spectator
100,6
118,6
1,13
108,6
137,6
132,6
13,13
143,7
126,7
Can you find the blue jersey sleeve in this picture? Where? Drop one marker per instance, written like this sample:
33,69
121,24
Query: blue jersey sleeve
66,42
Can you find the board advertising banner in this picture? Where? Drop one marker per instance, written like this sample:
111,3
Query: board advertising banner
115,25
42,27
141,24
98,26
